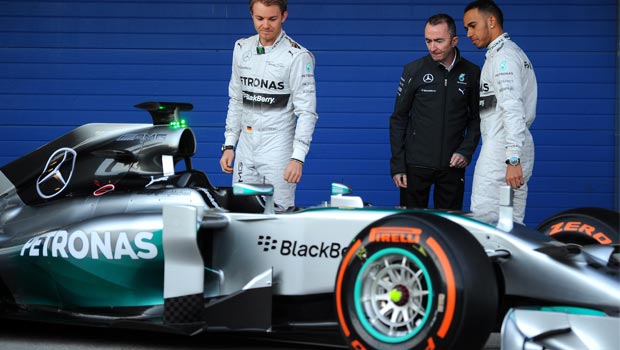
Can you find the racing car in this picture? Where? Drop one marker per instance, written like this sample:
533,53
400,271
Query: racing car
110,225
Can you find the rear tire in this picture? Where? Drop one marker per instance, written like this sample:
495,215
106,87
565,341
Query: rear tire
416,281
583,226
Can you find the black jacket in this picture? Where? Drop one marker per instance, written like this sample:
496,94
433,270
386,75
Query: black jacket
435,115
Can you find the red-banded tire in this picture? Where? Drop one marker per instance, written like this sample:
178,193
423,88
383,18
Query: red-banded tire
583,226
416,281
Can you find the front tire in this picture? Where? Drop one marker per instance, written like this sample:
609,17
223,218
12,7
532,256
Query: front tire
416,281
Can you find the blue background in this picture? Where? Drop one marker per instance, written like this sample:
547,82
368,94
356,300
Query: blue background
67,63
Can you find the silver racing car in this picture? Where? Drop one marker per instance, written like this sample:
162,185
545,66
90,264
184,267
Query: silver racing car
110,225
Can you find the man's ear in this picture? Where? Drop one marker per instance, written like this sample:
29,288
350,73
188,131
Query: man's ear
455,41
492,21
284,16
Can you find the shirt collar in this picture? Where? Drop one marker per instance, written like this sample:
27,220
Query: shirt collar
449,68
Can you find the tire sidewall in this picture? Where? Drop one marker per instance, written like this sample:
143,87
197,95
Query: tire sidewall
583,226
358,268
440,258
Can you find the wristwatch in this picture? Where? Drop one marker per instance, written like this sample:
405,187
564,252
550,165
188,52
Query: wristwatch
513,161
225,147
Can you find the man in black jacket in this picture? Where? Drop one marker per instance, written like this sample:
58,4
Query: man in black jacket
435,127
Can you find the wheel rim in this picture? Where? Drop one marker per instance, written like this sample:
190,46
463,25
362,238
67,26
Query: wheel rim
393,295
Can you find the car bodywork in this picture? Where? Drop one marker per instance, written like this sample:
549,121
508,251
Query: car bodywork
99,226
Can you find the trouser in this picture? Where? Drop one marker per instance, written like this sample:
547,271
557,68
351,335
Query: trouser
490,174
448,192
485,201
263,161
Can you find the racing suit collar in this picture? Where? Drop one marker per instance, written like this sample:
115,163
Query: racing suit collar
275,44
496,44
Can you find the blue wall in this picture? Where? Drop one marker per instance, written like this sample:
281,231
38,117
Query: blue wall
66,63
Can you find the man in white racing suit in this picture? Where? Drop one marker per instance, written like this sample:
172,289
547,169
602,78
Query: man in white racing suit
508,94
272,106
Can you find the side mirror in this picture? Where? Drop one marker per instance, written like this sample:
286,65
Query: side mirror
266,190
338,198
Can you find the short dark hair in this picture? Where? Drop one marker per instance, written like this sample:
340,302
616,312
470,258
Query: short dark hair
488,7
280,3
443,18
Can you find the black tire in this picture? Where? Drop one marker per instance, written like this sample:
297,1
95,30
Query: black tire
426,267
584,226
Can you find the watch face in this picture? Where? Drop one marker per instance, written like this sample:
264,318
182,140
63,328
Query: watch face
514,161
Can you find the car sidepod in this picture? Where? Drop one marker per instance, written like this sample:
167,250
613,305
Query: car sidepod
192,298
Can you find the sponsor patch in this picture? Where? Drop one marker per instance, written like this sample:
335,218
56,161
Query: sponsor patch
320,250
91,245
404,235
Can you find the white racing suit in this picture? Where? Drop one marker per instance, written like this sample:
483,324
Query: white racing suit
271,112
508,93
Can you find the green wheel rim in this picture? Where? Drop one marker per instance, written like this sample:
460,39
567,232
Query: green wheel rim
393,295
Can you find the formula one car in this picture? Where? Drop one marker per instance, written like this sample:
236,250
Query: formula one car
110,225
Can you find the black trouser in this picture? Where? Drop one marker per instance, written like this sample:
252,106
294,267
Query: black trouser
448,192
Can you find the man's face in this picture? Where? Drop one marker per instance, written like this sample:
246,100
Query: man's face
268,22
477,27
439,43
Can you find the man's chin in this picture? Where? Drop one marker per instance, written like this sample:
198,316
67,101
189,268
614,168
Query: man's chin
478,44
267,38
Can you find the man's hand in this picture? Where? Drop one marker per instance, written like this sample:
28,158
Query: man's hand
458,161
514,176
400,180
226,162
293,171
